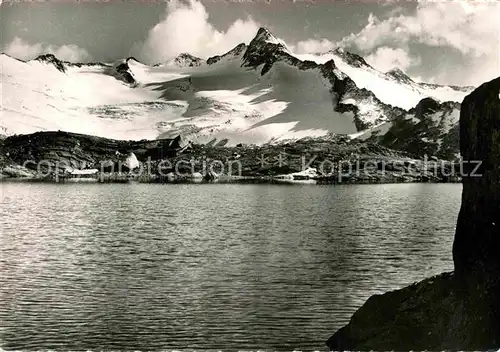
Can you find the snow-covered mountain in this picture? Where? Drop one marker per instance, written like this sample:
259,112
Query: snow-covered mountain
255,93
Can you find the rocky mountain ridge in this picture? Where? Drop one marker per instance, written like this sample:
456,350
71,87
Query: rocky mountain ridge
337,88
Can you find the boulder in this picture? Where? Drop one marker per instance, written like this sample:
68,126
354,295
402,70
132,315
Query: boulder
131,162
170,177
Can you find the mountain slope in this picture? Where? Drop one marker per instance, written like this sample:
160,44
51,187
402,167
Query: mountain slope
255,93
97,99
394,87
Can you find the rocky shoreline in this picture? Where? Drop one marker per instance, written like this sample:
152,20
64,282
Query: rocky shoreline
222,180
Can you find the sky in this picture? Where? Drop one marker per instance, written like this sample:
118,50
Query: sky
439,41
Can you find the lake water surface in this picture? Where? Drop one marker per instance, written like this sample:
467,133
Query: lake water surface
213,267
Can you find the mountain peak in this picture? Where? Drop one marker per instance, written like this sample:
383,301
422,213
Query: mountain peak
265,36
187,60
265,48
132,58
399,75
395,71
51,59
263,33
351,58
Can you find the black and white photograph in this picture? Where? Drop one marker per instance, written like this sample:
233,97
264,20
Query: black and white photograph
249,175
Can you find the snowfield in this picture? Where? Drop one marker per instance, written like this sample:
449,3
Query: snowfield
202,101
37,97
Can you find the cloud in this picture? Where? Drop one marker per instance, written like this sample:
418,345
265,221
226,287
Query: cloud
312,46
457,24
469,27
185,29
386,58
23,50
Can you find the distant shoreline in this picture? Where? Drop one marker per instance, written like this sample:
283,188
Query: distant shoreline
224,180
59,156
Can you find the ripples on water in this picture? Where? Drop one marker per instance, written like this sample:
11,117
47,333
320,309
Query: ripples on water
229,267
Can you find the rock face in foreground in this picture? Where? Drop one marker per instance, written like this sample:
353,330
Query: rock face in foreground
436,314
460,310
476,250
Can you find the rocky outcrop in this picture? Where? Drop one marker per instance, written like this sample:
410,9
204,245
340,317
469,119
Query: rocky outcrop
476,250
438,313
429,128
86,64
51,59
81,151
367,108
351,58
123,73
62,66
187,60
399,76
459,310
16,171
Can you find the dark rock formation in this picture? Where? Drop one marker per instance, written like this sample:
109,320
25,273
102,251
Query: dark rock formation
80,151
436,314
132,58
399,76
51,59
266,49
124,74
431,128
476,250
86,64
351,58
62,65
459,310
347,90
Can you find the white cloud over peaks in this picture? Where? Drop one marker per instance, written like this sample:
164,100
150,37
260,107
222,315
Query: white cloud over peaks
386,58
312,46
470,27
23,50
459,24
185,29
